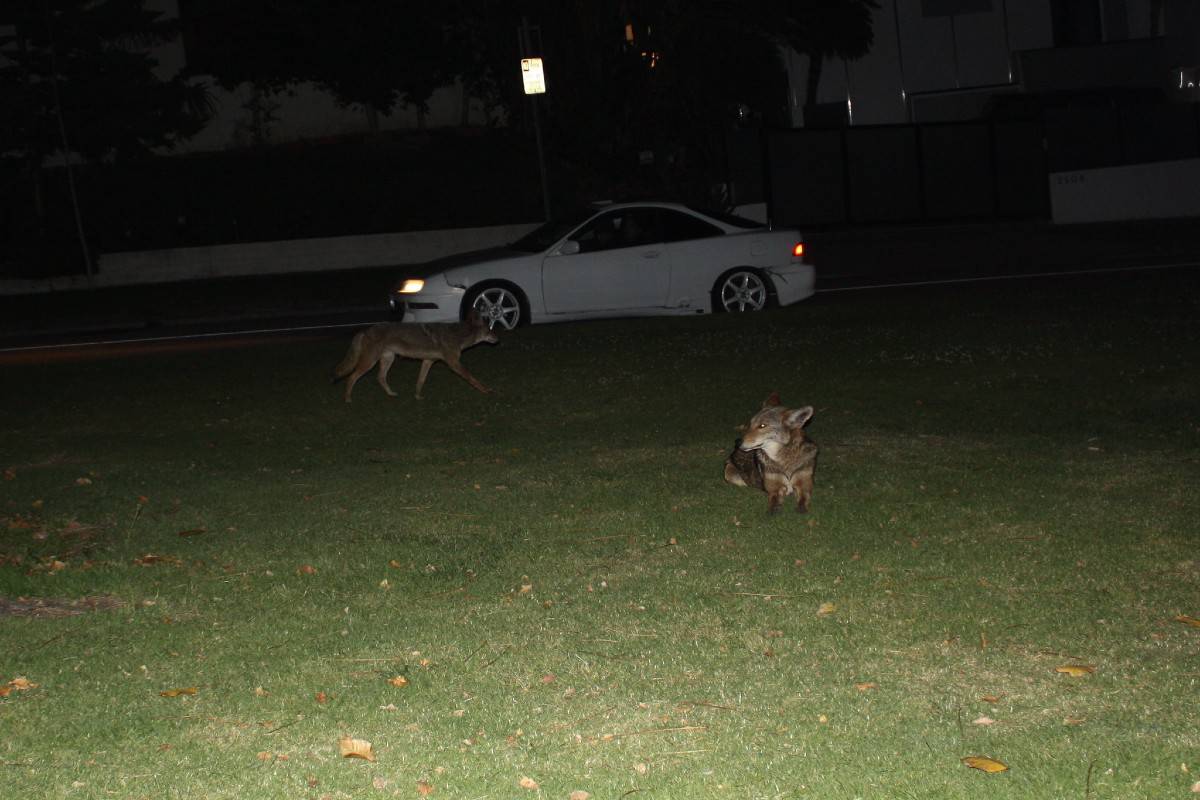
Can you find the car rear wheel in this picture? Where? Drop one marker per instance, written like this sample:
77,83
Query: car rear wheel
742,290
500,305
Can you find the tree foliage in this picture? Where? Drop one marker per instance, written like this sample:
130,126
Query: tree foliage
81,70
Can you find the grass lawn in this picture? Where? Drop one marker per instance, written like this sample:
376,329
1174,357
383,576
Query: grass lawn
549,591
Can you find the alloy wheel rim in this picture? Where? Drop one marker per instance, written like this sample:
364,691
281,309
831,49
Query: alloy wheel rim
743,291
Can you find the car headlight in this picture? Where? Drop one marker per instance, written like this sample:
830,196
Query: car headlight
411,286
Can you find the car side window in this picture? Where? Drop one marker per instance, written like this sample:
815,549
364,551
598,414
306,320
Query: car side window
629,227
677,227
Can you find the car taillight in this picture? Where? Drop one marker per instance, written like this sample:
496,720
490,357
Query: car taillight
798,250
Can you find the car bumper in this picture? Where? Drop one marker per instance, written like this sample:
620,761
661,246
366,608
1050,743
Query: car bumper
428,307
793,283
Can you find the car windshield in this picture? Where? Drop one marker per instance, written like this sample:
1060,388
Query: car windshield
543,236
729,219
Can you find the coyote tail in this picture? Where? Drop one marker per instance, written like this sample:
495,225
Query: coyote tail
352,355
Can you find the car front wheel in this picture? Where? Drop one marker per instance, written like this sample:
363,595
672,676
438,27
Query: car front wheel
499,305
742,290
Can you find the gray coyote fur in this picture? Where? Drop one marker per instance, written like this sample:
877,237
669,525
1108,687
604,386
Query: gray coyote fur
443,341
775,456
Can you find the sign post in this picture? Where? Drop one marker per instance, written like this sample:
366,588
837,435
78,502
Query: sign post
534,79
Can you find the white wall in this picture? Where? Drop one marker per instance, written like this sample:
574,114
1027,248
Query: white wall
1160,190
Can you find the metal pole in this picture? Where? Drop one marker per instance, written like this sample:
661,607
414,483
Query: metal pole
66,145
526,42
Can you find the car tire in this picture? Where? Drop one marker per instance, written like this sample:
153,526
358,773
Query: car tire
500,304
743,289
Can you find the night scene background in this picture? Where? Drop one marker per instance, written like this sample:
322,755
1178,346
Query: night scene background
220,580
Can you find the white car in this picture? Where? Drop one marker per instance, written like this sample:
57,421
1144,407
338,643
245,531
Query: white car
627,259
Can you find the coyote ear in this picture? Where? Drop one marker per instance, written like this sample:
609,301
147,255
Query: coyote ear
772,400
797,417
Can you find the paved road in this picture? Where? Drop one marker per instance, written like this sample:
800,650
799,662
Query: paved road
847,259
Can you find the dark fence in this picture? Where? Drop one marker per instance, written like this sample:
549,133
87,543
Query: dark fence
960,171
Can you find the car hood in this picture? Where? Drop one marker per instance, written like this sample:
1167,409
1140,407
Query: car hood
447,263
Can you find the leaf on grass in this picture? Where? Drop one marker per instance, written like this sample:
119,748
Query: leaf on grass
866,686
356,748
991,698
1075,670
983,720
528,783
322,698
1186,620
399,681
22,684
192,532
825,609
579,794
985,764
261,692
394,564
151,558
424,788
306,569
178,692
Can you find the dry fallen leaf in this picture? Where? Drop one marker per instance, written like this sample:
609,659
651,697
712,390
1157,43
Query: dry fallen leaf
826,609
1186,620
21,683
983,720
528,783
306,569
322,698
398,681
985,764
579,794
356,748
866,686
261,692
178,692
991,698
424,788
1196,787
1075,670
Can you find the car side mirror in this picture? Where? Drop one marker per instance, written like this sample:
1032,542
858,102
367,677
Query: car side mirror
569,248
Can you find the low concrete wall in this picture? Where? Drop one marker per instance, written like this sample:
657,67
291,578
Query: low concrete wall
1159,190
265,258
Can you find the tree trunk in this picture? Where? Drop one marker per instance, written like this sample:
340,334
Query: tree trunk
812,84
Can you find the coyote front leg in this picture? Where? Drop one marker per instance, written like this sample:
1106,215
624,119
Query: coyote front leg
457,366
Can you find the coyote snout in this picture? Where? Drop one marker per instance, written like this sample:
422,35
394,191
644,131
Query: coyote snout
775,455
434,342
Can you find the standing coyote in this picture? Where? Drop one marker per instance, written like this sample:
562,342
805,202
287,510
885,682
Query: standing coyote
775,456
442,341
